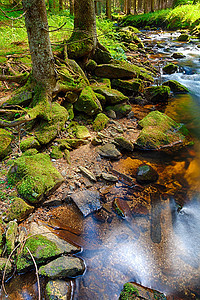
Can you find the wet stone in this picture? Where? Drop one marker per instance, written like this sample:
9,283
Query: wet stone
88,173
146,174
87,201
109,150
109,177
58,290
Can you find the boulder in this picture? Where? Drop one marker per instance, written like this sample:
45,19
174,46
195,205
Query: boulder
157,94
88,102
5,141
34,177
102,57
56,153
109,151
112,96
177,55
19,210
87,201
121,110
146,174
176,87
63,267
127,87
100,122
170,68
29,143
59,290
124,144
132,290
161,132
184,37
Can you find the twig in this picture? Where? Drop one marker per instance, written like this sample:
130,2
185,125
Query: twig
56,28
17,18
36,272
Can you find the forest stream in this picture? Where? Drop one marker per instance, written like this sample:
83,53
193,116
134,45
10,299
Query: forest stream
158,243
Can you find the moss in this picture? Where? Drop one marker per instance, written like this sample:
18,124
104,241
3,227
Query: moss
30,152
129,292
28,143
18,210
69,107
112,96
91,65
120,109
88,102
10,236
100,122
176,87
48,130
56,152
170,68
79,45
79,131
128,87
70,143
34,177
101,98
184,38
156,94
5,141
67,156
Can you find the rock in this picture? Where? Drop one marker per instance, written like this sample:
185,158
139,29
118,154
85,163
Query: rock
71,97
100,122
67,156
109,177
96,141
70,109
34,177
127,35
5,141
29,143
111,114
102,57
87,201
46,131
88,102
124,144
4,262
11,234
121,110
128,87
161,132
70,143
146,174
59,290
56,152
63,267
123,70
133,290
170,68
88,173
109,151
132,47
157,94
44,245
91,65
178,55
112,96
101,98
184,37
176,87
19,210
82,132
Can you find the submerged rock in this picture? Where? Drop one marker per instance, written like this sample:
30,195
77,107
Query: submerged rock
5,141
184,37
87,201
161,132
34,177
132,290
109,150
176,87
62,267
146,174
59,290
178,55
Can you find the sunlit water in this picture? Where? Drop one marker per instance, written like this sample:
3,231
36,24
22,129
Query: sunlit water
159,246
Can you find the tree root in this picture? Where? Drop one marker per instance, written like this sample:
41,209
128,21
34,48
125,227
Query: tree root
21,78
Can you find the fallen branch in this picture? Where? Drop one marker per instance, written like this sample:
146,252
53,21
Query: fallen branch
56,28
22,78
36,272
15,123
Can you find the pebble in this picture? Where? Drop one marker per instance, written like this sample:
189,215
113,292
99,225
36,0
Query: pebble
88,173
109,177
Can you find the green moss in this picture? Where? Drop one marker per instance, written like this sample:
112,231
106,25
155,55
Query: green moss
67,156
56,152
101,98
121,109
79,45
5,141
127,86
184,38
170,68
69,107
100,122
30,152
28,143
129,292
34,176
156,94
176,87
10,236
88,102
18,210
112,96
70,143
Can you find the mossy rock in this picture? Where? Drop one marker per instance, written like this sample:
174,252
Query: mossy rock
176,87
70,108
124,144
19,210
129,28
170,68
88,102
128,36
1,239
90,66
101,98
178,55
46,131
71,143
100,122
30,152
112,96
160,132
5,141
79,131
56,152
184,37
67,156
132,47
121,110
29,143
146,174
157,94
11,234
127,87
100,82
34,176
102,57
58,289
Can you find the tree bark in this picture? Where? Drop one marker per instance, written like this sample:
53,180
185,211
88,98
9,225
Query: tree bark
39,43
71,7
108,9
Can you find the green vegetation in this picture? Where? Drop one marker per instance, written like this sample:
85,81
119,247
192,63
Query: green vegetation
129,292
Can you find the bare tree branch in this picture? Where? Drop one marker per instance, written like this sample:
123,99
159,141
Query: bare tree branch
11,17
36,272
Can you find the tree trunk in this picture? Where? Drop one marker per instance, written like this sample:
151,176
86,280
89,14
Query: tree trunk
83,41
71,7
128,9
108,9
39,43
152,5
61,5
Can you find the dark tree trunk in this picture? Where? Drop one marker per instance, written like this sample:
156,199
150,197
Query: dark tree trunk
128,9
84,39
60,4
39,43
71,7
108,9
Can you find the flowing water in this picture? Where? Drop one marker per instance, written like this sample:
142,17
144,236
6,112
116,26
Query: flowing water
158,244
